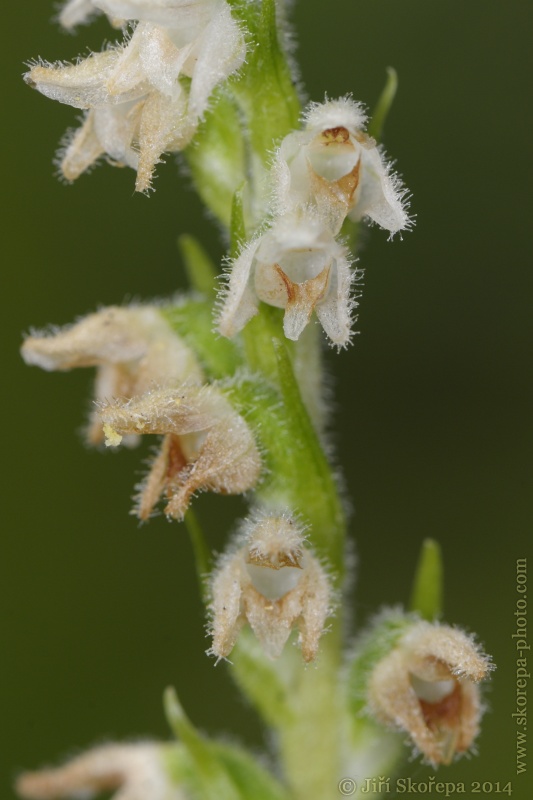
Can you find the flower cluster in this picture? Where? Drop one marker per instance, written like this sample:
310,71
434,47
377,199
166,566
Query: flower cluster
146,96
150,382
329,171
132,348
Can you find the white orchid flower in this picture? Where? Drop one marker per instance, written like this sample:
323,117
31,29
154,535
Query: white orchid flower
138,105
299,266
427,686
333,165
207,445
274,583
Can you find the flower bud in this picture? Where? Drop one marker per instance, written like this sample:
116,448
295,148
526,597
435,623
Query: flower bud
274,583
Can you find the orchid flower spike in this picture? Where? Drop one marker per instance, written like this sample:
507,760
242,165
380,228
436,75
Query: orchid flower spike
296,265
137,106
333,165
273,582
207,445
132,348
427,687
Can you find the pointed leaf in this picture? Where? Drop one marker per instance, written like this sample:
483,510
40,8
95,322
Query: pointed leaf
215,771
237,226
212,776
260,679
217,157
200,269
202,554
426,597
384,104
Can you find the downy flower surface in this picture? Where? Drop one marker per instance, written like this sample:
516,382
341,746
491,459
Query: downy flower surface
207,445
296,265
132,348
138,104
135,770
427,687
333,165
274,583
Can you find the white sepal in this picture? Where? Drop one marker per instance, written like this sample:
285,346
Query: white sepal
77,12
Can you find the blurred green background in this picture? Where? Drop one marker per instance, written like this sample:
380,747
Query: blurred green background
433,401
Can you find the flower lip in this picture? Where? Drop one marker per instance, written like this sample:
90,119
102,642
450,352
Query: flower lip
273,584
431,691
296,265
332,159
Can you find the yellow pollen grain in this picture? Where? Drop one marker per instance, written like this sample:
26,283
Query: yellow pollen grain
112,438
